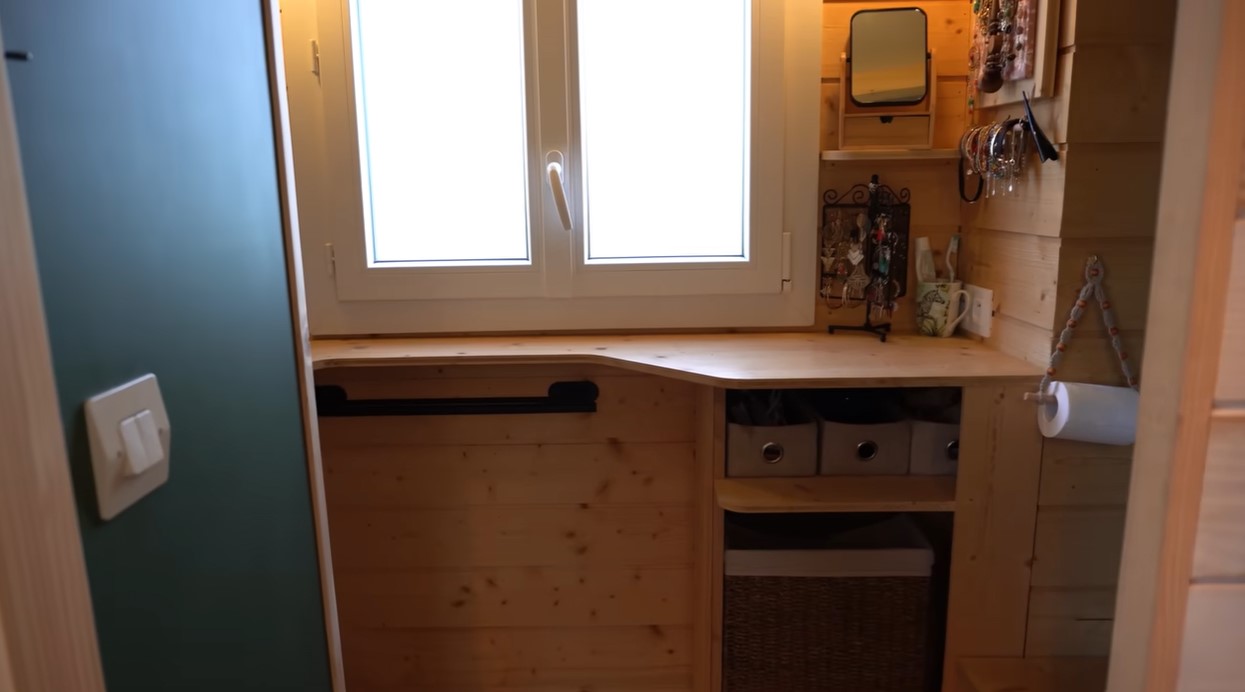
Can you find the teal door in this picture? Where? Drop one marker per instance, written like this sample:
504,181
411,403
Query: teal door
148,153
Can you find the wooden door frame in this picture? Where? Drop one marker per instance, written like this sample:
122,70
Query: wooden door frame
47,627
1202,162
302,333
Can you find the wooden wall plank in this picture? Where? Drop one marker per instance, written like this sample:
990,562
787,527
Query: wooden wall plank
466,476
1078,547
992,546
1119,93
1112,190
517,597
1219,551
1085,22
1021,268
1231,386
1081,474
1019,339
1070,622
1211,660
531,659
1035,207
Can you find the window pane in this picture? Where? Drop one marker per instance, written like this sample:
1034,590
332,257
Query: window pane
664,119
444,126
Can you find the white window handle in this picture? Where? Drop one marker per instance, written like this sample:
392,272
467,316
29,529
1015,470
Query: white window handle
556,186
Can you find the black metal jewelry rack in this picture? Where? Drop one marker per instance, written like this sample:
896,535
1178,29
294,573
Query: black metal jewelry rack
875,200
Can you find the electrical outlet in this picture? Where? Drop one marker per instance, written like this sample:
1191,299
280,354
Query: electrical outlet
980,310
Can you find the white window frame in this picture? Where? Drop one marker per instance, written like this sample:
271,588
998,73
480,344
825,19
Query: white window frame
345,296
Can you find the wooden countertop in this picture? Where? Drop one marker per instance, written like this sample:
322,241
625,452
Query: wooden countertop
739,361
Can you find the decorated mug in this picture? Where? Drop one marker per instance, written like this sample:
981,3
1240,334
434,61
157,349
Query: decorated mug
940,307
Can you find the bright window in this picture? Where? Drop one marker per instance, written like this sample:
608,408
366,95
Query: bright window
432,77
497,165
683,96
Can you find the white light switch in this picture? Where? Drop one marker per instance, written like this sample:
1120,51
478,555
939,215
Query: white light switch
132,447
129,433
151,437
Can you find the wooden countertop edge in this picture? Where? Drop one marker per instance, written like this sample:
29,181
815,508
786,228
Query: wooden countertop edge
324,357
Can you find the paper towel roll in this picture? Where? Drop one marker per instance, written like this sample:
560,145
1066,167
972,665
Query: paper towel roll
1089,413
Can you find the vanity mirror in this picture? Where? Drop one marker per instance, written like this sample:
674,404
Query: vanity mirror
888,56
887,93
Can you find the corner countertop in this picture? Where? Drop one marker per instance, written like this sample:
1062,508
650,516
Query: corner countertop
737,361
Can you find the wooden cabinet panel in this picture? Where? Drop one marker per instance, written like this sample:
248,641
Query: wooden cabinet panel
547,552
1070,622
531,659
1078,547
445,476
517,596
1081,474
511,536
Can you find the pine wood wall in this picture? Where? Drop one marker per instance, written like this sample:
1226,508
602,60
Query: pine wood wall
1107,118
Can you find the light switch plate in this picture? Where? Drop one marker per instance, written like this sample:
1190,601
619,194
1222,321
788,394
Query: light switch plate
114,489
980,317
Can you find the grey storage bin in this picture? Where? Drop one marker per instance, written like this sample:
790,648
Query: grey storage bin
935,448
850,614
865,449
771,450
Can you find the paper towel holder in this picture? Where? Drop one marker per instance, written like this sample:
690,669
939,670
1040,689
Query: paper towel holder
1094,274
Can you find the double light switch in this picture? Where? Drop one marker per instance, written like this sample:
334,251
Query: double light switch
140,442
129,434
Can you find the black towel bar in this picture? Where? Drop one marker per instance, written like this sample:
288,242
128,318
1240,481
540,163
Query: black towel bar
563,397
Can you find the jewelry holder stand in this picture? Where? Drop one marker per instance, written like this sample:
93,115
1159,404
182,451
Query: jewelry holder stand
864,251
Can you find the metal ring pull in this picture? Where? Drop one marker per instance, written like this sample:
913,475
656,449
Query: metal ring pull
867,450
772,452
953,450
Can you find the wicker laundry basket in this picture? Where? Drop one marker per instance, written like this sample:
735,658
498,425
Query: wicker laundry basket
846,617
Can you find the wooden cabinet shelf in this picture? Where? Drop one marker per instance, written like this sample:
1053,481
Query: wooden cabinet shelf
837,494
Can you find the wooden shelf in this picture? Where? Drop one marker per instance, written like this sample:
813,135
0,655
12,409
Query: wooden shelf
1034,674
890,155
838,494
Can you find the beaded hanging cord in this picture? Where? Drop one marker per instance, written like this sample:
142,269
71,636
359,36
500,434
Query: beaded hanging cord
1094,275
